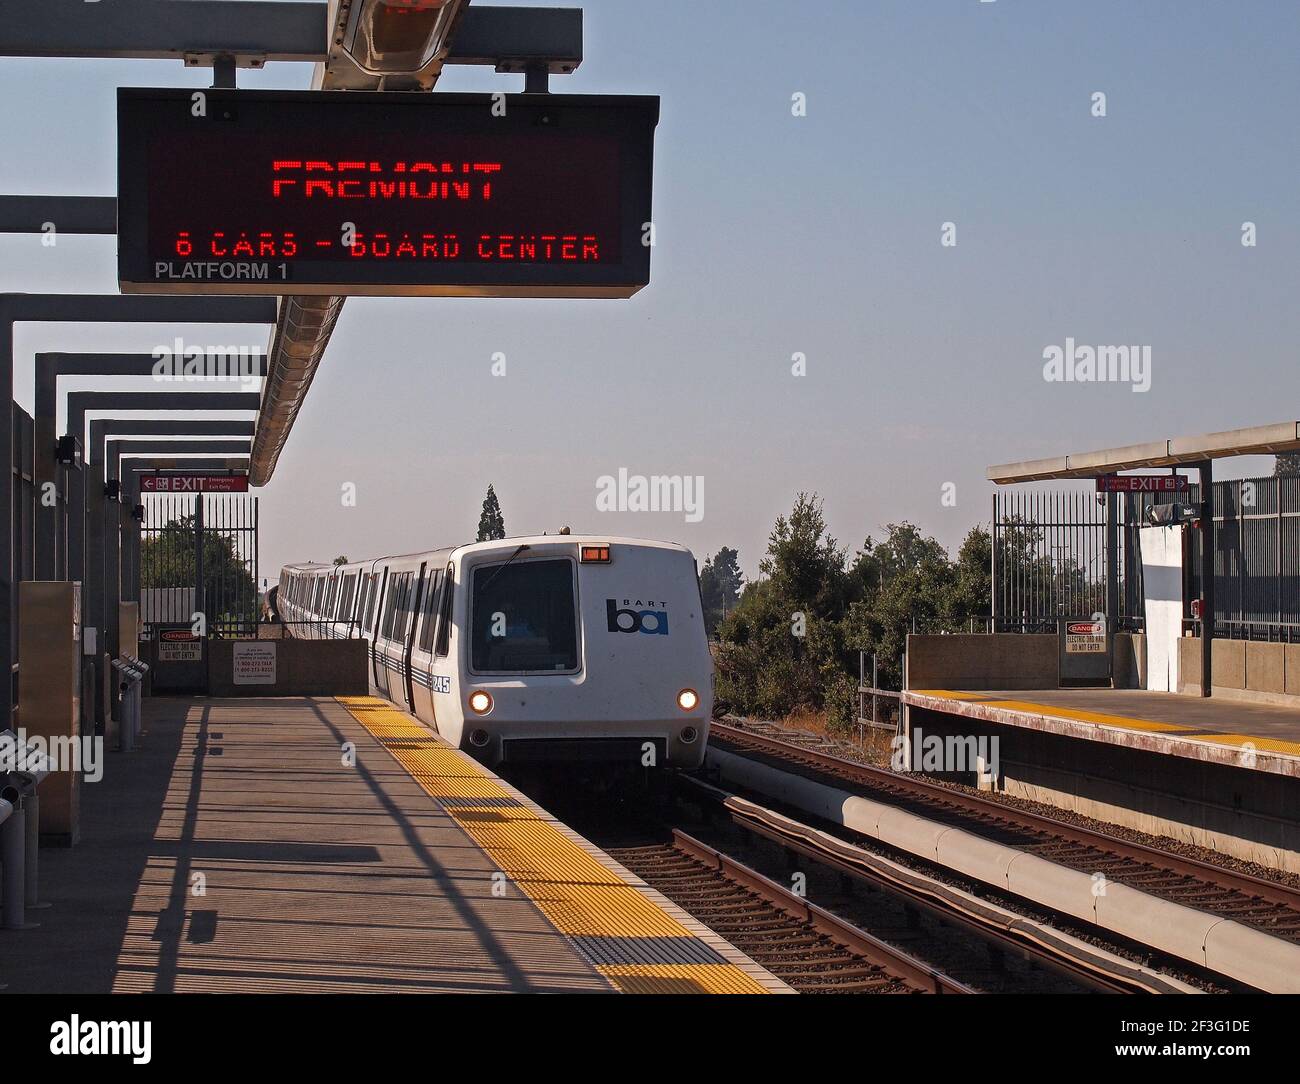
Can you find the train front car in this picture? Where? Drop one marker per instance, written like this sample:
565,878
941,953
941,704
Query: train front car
580,649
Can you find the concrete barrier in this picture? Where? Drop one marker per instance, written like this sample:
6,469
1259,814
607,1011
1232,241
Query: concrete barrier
1005,660
287,668
1129,660
1244,670
1266,667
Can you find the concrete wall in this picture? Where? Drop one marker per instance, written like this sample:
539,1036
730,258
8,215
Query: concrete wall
1008,660
1244,670
1129,660
302,668
1250,815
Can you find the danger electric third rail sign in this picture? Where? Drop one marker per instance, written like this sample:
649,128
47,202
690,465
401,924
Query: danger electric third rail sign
329,192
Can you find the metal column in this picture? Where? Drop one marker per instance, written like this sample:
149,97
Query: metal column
1207,576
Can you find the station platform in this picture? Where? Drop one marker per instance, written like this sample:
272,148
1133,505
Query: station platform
1216,773
1217,730
307,845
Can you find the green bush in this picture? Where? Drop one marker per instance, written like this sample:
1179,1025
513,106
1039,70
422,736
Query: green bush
765,669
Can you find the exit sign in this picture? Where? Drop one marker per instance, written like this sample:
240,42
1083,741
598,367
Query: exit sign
194,483
1143,483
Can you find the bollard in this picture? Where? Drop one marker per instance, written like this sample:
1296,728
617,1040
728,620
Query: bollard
136,685
13,842
126,730
32,851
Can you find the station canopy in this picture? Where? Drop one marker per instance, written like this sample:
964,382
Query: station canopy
1177,451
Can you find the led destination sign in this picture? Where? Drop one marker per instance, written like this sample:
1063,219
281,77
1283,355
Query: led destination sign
364,193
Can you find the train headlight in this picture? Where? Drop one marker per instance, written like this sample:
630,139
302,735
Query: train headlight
688,700
480,702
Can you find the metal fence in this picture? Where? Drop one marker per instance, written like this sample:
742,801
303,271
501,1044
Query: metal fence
1256,559
201,550
1051,558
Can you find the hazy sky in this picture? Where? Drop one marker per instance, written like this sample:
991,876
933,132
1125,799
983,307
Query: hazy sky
780,234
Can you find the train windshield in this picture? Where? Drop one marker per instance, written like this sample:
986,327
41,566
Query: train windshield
524,618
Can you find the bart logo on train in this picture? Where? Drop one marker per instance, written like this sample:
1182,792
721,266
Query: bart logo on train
650,622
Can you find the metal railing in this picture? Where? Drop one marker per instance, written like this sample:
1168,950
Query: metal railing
870,697
1285,632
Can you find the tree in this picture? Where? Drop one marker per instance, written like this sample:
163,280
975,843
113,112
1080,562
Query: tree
782,647
491,524
804,563
1288,465
792,643
720,583
343,560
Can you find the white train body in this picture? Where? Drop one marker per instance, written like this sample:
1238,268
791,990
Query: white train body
549,648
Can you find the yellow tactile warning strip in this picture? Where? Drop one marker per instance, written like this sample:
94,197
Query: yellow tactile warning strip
630,937
1124,722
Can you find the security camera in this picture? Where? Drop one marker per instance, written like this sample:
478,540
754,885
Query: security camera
68,451
1170,515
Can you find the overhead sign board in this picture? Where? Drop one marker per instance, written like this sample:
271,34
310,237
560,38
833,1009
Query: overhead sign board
194,483
1143,483
338,193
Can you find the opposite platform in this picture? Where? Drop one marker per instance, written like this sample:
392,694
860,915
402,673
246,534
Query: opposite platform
1216,730
275,845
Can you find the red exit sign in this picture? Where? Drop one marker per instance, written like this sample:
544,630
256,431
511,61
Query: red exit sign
194,483
1143,483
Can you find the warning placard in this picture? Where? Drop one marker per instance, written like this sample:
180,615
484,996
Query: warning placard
179,645
254,662
1085,638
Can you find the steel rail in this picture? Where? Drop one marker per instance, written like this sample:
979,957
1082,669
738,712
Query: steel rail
893,959
1219,876
1049,949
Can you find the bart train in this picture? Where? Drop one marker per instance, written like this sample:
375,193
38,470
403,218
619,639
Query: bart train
539,649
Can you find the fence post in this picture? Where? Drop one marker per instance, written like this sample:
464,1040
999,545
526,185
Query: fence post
994,593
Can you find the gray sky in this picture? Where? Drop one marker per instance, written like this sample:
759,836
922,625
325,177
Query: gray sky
780,234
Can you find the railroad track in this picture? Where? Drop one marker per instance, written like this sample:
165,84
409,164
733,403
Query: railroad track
1266,905
877,926
809,948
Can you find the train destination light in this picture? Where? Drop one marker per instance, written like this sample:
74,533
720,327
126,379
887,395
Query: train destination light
338,193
